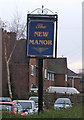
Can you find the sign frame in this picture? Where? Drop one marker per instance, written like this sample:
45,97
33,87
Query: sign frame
31,18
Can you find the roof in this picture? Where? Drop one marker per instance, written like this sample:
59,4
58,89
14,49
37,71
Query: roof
58,65
22,100
71,73
7,103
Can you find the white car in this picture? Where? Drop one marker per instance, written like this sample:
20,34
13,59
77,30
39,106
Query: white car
35,99
62,103
28,106
5,99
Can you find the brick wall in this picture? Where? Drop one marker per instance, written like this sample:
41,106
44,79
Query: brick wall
19,80
60,80
18,66
45,74
77,84
32,77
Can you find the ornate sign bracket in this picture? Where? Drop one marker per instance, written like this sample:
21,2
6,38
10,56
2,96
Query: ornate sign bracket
42,33
42,11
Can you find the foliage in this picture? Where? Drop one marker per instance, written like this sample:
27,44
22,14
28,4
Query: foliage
74,112
18,25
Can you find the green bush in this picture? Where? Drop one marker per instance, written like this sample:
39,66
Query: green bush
74,112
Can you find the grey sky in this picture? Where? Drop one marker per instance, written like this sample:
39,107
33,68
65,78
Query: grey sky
69,24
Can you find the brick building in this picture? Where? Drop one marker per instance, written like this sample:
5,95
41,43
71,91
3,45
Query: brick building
54,72
74,80
58,68
24,71
18,66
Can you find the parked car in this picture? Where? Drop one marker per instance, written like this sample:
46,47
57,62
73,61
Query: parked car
62,103
5,99
63,90
35,99
34,90
11,107
28,106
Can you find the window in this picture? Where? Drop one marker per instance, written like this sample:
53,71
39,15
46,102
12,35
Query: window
32,85
48,76
32,70
45,73
66,78
73,82
52,77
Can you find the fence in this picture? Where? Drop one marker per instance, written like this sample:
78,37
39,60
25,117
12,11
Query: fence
50,98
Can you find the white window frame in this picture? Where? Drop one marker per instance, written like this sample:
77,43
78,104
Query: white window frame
48,76
66,77
53,77
45,73
32,70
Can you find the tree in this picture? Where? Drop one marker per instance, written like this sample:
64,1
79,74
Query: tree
18,26
1,23
8,56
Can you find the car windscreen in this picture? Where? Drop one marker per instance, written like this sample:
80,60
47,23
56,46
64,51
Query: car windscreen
26,105
62,101
5,107
34,99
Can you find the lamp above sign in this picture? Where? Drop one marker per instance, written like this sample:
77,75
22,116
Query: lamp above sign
41,38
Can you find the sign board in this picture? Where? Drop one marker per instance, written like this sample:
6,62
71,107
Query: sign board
41,38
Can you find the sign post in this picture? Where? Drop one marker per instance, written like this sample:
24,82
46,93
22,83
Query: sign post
41,42
40,85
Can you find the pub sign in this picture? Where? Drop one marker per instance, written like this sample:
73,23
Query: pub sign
41,38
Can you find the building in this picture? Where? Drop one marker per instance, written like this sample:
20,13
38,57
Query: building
74,80
57,69
24,71
54,72
18,66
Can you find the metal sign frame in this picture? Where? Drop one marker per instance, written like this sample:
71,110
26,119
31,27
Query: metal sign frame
43,16
47,18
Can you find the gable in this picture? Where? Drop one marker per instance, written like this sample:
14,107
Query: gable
71,73
58,65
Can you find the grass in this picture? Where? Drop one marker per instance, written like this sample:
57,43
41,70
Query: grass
74,112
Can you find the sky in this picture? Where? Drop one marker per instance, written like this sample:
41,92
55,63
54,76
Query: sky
69,42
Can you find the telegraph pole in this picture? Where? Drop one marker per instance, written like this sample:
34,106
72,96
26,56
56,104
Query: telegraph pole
40,85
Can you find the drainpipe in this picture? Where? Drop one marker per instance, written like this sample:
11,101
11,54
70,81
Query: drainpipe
73,82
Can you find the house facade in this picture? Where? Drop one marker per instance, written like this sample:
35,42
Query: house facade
54,72
24,70
18,65
74,80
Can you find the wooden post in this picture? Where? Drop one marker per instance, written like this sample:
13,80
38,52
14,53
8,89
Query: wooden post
40,86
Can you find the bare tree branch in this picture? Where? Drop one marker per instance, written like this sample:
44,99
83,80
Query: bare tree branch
11,52
5,50
19,28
